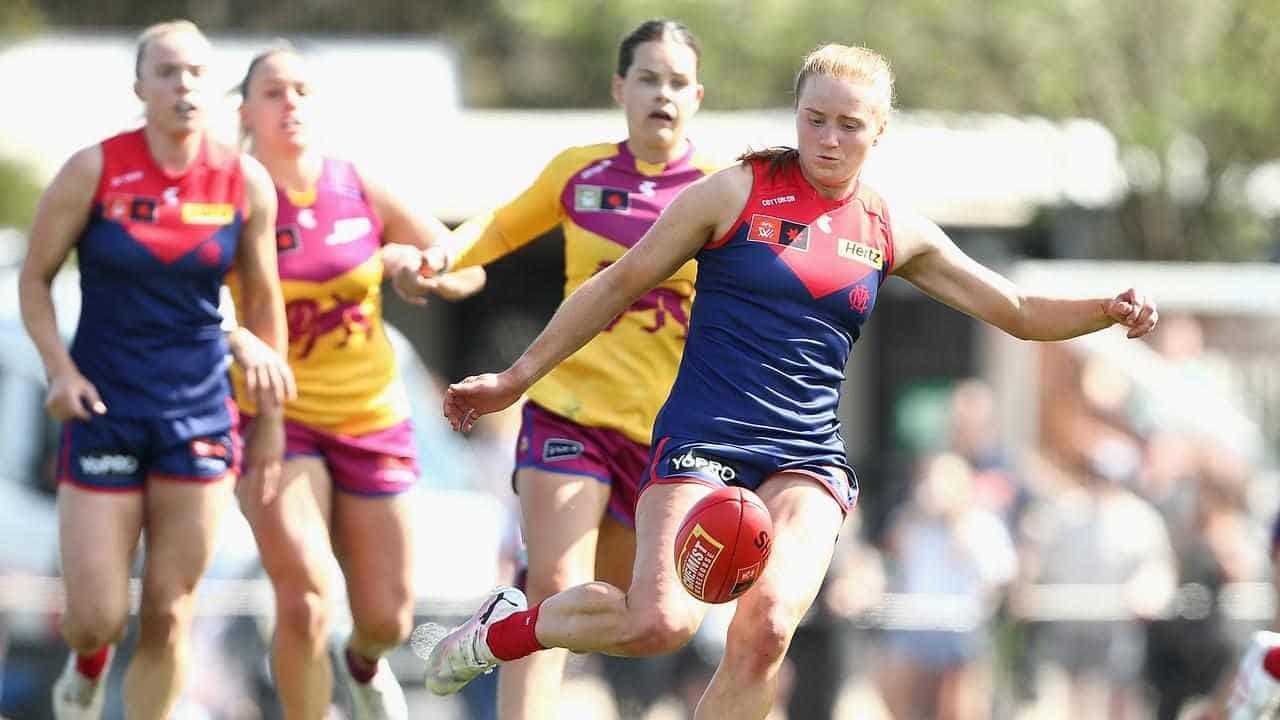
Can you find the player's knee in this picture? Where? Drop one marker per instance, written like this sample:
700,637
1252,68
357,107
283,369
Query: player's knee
88,631
164,621
388,625
303,614
762,637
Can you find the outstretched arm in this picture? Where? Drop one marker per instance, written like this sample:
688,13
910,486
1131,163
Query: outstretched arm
478,241
679,233
414,251
416,272
928,259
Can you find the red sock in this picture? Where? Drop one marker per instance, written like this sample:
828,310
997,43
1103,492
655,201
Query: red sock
362,668
514,637
91,665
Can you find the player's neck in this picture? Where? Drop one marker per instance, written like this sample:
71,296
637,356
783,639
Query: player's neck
837,192
174,153
656,154
294,171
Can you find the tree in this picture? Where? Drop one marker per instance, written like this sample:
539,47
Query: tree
1185,85
18,188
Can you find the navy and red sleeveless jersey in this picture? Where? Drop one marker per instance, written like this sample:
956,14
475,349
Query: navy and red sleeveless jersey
152,260
780,300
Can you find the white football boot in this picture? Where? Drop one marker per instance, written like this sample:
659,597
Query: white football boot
463,655
381,698
76,697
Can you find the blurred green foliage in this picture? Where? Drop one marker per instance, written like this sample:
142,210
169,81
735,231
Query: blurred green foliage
18,188
19,193
1185,85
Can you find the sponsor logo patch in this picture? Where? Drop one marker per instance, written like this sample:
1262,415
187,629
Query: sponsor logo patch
691,461
596,169
597,198
208,213
211,455
123,207
129,177
287,240
143,209
746,578
555,449
776,231
209,447
865,254
348,229
108,463
780,200
696,559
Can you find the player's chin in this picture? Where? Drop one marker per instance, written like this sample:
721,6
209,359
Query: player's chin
187,118
662,131
296,139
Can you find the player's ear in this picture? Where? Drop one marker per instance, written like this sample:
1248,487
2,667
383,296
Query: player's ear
616,88
884,123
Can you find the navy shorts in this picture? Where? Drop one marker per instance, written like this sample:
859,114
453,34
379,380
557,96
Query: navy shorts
114,454
677,460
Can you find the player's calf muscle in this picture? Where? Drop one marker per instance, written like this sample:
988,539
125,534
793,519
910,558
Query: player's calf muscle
598,617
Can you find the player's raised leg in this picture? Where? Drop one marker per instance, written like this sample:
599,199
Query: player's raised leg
655,617
806,521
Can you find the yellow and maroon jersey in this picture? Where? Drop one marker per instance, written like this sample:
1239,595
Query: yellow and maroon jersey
328,243
605,199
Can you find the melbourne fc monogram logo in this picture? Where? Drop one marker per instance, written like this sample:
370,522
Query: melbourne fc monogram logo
859,298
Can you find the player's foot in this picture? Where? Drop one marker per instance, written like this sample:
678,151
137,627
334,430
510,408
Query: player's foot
463,655
76,697
379,699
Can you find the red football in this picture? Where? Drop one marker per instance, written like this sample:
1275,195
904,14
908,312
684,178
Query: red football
723,544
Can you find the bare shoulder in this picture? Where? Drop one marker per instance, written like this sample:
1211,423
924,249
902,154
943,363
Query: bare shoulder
913,235
82,171
727,187
377,193
64,208
260,189
725,193
735,179
256,177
